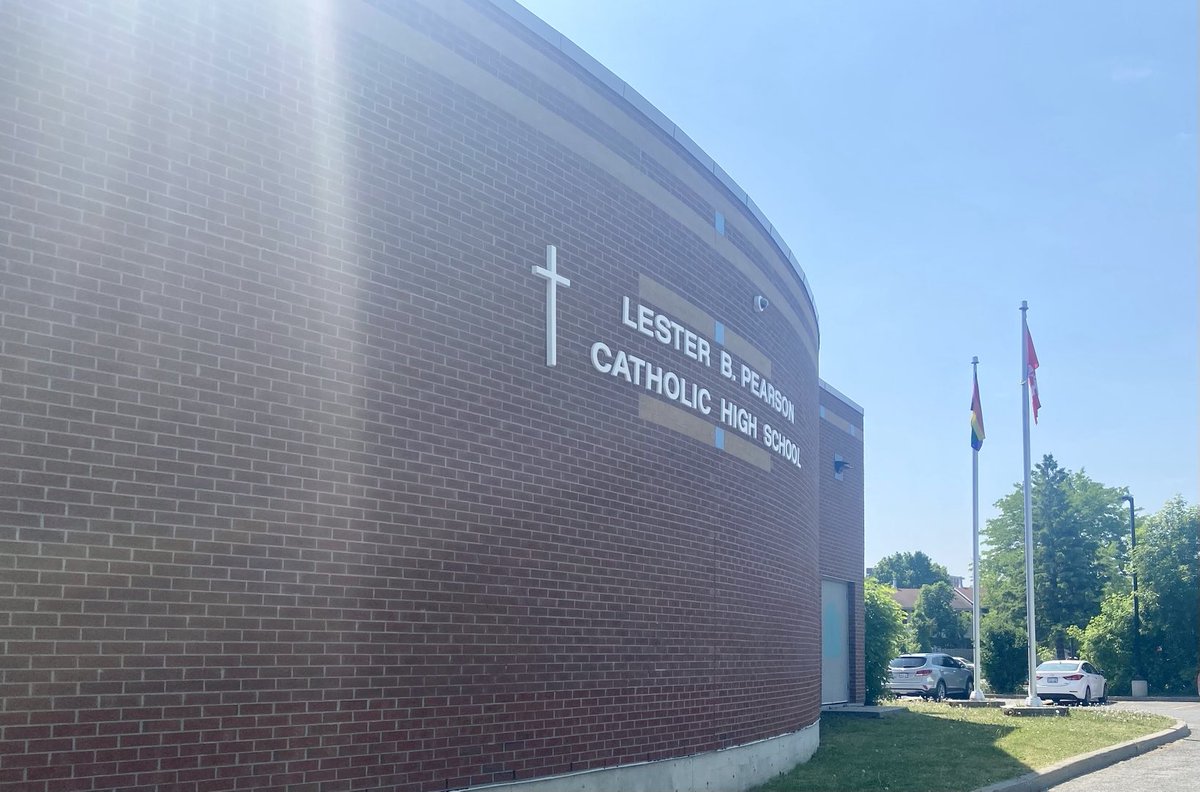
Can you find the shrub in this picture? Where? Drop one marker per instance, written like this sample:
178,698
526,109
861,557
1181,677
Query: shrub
886,635
1005,661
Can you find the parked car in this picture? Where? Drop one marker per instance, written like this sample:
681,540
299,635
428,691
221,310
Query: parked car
929,675
970,666
1071,680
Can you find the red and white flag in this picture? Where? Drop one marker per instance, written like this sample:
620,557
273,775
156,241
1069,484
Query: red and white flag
1031,365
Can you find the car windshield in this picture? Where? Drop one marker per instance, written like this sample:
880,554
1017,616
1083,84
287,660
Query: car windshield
1058,666
908,661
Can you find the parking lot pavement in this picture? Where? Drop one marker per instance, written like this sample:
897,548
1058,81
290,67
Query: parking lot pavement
1171,767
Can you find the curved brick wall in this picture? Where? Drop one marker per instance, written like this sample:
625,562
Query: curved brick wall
290,497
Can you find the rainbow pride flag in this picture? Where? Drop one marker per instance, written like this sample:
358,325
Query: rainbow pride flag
976,418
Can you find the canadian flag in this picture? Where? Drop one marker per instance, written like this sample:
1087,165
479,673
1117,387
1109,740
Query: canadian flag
1031,365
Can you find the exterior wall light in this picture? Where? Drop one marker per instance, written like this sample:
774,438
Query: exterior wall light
839,465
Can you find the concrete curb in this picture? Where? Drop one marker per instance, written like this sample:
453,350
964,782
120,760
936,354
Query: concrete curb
1088,763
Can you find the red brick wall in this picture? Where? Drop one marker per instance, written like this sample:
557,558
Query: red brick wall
288,498
842,518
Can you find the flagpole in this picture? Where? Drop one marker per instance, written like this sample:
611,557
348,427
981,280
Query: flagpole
976,694
1032,700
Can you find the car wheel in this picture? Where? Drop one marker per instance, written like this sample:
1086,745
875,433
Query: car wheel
1087,696
939,693
967,689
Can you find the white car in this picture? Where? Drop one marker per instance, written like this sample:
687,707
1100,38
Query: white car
1071,680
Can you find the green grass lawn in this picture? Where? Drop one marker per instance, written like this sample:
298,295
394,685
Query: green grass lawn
936,747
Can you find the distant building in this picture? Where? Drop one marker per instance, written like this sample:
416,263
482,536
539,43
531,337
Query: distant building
962,601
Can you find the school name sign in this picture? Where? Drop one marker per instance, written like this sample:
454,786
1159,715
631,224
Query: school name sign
675,387
667,383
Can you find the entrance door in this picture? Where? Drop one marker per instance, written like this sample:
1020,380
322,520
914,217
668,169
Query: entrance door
835,642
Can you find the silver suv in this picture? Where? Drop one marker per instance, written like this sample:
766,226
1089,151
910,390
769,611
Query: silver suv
930,675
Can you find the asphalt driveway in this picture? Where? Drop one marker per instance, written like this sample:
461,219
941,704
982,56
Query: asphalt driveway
1171,767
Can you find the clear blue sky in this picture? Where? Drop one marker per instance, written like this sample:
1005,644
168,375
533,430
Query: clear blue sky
931,165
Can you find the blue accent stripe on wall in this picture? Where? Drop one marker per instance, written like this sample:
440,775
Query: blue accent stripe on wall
719,437
719,333
719,222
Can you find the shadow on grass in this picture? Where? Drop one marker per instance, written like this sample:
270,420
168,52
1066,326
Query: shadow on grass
906,751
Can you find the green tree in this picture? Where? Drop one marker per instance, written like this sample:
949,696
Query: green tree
1002,645
1168,565
909,570
936,624
885,635
1076,527
1107,640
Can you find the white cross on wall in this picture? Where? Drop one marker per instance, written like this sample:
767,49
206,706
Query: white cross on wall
553,281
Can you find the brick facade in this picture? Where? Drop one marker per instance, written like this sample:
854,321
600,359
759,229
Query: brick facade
289,498
842,517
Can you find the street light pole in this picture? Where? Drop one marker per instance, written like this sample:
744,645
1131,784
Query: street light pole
1137,628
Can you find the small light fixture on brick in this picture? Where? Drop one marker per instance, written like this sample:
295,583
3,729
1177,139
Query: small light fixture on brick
761,303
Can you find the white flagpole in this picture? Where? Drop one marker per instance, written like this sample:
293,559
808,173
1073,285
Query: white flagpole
1032,700
976,694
